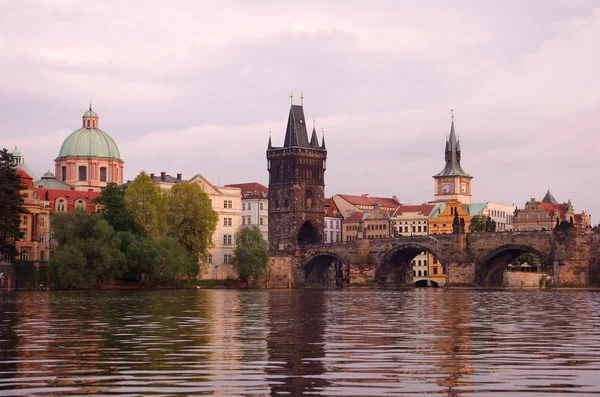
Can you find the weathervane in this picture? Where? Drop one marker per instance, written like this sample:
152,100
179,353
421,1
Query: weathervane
452,110
292,97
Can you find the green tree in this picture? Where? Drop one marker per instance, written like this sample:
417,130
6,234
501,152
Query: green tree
87,250
175,262
115,211
11,204
530,259
251,253
147,205
191,219
141,257
482,223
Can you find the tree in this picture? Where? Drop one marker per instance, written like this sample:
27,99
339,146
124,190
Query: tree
11,204
251,253
191,219
174,262
115,211
530,259
147,205
141,257
482,223
87,250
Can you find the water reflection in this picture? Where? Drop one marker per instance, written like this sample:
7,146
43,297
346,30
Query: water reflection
301,342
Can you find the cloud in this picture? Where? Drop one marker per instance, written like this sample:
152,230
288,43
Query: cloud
196,88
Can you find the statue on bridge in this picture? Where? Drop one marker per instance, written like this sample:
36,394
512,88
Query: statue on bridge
458,224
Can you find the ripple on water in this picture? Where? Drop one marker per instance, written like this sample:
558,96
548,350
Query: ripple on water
351,342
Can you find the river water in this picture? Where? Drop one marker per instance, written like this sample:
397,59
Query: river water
300,342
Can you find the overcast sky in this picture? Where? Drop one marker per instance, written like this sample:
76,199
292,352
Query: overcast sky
195,87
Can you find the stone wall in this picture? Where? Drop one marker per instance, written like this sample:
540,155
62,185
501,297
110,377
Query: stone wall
282,272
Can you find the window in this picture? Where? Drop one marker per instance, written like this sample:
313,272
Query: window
24,221
243,206
419,273
24,255
249,206
82,173
249,220
260,220
243,220
63,173
425,273
102,174
227,221
42,222
227,239
261,206
41,237
227,204
435,270
42,255
227,258
51,237
209,258
6,257
425,262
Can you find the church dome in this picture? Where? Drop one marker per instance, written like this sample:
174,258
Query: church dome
89,141
48,175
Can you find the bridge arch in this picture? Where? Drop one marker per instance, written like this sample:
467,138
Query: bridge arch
489,271
317,264
396,266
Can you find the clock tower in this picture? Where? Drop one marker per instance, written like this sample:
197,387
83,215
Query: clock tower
452,183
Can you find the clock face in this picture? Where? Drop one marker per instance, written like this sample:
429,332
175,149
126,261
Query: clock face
445,188
463,187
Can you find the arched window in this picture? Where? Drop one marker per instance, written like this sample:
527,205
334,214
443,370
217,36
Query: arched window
88,124
309,198
82,173
102,174
414,273
63,173
425,273
425,262
419,273
419,262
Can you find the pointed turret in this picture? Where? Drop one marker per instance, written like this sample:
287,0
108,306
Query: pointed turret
314,141
295,133
323,144
270,146
452,167
549,198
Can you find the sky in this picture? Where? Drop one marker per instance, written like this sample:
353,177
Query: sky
197,86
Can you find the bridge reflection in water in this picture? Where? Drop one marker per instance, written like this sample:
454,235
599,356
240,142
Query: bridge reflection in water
299,342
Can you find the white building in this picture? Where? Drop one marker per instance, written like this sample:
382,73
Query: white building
227,202
333,222
502,214
255,206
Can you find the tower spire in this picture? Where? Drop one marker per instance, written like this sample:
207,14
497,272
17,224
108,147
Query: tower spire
270,146
301,99
291,97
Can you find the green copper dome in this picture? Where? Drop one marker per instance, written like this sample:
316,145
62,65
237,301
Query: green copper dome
89,142
90,113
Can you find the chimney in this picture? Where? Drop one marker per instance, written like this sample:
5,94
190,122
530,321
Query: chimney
366,195
152,177
163,176
179,176
395,198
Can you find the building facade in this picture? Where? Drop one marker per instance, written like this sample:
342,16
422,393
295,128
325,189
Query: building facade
89,158
255,206
502,214
333,222
367,224
452,183
227,203
296,187
441,219
545,214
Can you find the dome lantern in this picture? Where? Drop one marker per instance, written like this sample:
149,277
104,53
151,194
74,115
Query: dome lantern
90,118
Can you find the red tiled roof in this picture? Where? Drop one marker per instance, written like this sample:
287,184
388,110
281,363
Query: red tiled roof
331,210
370,201
252,190
25,177
554,209
356,216
424,209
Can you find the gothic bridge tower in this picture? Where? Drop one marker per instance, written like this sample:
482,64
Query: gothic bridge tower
296,187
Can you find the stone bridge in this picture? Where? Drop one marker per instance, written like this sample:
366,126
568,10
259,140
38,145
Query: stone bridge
467,259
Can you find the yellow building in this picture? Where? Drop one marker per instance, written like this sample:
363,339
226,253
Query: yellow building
442,217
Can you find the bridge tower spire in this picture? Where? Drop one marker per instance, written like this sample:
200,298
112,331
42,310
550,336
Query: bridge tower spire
296,188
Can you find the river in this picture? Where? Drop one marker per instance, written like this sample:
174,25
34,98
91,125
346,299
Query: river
300,342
